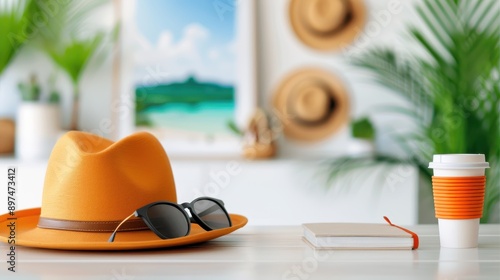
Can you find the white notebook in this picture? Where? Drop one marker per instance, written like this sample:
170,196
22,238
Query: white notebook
359,236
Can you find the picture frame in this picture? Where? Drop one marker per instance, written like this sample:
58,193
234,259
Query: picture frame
145,67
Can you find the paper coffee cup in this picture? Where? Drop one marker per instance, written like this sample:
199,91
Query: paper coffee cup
458,197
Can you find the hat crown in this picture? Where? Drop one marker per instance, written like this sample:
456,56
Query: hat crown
311,102
90,178
324,16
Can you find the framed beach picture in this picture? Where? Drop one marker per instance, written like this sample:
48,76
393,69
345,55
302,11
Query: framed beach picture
187,73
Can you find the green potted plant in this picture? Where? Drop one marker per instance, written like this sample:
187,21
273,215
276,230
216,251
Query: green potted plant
362,143
38,121
30,91
453,87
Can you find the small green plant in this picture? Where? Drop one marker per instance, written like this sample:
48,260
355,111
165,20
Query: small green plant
363,129
54,97
30,91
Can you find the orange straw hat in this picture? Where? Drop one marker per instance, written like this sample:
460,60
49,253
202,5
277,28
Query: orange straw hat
327,24
91,185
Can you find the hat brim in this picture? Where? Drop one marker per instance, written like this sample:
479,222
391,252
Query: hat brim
334,41
28,234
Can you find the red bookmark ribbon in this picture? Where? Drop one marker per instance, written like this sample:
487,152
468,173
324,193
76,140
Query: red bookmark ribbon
413,235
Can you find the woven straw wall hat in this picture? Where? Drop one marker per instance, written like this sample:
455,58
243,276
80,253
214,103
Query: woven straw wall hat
312,104
327,24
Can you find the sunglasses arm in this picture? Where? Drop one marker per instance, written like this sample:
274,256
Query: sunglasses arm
112,237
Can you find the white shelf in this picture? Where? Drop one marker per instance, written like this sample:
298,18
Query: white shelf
273,192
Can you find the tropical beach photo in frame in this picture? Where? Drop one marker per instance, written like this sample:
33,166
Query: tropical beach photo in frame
187,73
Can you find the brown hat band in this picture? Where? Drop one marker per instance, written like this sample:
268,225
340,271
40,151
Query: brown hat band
91,226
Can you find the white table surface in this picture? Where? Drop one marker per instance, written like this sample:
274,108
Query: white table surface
267,253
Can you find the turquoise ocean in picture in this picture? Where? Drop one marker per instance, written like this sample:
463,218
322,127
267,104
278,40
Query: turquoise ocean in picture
206,117
189,106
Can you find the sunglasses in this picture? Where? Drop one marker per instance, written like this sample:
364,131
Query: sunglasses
170,220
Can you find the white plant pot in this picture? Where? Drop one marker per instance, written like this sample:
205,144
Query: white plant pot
361,148
38,126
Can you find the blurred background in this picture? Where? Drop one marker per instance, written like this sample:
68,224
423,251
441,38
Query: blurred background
321,110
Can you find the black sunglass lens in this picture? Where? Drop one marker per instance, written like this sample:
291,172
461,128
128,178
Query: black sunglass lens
211,213
168,220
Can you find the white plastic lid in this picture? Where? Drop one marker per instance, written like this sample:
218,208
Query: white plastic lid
459,161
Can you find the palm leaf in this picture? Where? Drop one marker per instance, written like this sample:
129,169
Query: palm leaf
378,169
69,19
74,57
13,29
63,39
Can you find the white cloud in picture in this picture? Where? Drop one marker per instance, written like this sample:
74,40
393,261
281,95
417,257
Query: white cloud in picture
183,48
